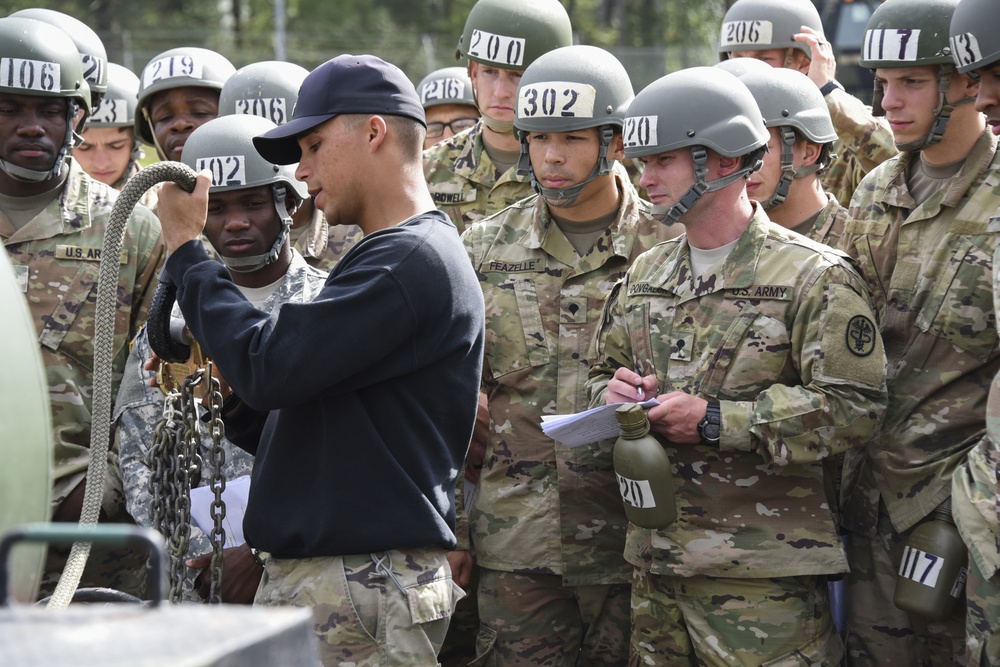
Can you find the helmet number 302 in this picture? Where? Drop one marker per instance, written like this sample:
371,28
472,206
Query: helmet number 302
29,74
556,99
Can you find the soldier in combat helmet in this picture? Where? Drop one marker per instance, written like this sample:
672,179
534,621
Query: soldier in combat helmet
474,173
919,231
761,348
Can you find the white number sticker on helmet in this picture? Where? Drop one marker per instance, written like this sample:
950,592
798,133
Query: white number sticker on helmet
29,74
639,131
170,67
891,44
965,48
271,108
442,89
746,32
111,111
558,99
497,48
227,170
93,68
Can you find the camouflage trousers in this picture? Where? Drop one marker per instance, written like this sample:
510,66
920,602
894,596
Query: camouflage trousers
378,610
702,620
982,620
534,620
878,633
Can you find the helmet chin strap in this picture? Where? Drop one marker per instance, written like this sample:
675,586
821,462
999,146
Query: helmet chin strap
257,262
668,215
35,176
787,170
499,126
567,196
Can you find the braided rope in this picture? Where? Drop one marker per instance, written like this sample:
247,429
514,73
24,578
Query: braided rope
104,333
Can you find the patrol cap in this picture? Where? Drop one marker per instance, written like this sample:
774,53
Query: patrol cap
346,84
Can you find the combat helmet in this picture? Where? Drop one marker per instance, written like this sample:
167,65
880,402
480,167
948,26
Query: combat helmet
93,55
791,102
268,89
48,66
117,109
759,25
699,108
224,146
512,34
913,33
975,34
177,68
448,85
572,88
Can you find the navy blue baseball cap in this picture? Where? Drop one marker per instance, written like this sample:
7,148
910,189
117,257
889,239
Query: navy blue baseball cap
343,85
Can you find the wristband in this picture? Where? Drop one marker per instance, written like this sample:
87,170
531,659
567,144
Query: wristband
830,86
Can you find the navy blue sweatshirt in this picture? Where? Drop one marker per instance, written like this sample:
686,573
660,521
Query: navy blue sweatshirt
363,400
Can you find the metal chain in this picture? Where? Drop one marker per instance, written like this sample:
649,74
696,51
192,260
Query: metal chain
218,455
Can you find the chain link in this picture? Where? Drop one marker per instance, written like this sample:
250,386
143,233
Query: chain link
176,466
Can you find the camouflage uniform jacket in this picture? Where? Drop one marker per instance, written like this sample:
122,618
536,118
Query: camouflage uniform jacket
975,501
322,246
864,143
829,224
782,334
929,268
58,255
542,507
139,408
465,183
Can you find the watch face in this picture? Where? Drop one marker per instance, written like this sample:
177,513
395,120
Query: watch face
711,431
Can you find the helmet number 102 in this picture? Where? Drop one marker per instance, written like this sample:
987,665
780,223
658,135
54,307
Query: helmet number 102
227,170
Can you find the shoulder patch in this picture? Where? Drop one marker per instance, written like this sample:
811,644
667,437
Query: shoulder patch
860,336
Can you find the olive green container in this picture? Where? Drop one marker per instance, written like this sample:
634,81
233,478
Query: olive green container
931,577
642,468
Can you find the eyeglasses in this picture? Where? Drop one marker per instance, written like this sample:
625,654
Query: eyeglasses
456,126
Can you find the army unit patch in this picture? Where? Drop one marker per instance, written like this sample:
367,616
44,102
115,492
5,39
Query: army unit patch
860,336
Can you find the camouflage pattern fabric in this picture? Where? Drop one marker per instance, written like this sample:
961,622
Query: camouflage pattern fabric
139,407
543,305
864,142
321,245
56,257
975,505
542,507
829,224
465,183
706,621
782,334
930,269
381,610
878,633
548,624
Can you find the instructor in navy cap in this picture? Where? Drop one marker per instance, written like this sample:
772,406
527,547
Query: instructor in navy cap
358,405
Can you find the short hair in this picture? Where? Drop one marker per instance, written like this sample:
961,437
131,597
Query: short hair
407,133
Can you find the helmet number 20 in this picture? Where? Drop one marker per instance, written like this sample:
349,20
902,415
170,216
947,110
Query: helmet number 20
639,131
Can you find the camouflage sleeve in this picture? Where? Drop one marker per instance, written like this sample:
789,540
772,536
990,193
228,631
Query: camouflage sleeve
611,348
838,354
867,138
461,515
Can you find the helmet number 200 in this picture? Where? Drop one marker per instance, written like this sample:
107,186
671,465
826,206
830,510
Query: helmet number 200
497,48
29,74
